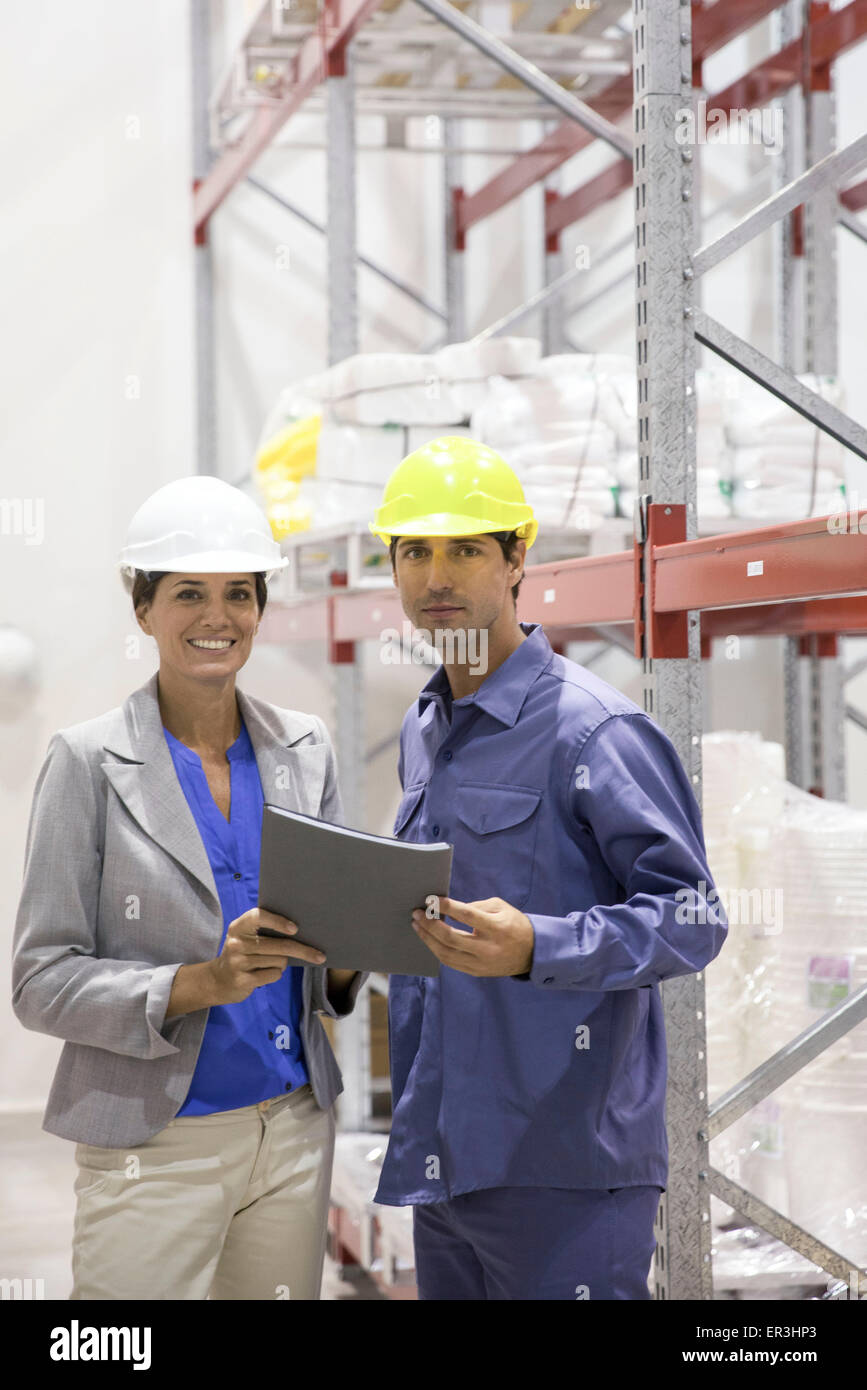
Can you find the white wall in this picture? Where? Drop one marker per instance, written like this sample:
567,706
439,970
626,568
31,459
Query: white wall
97,380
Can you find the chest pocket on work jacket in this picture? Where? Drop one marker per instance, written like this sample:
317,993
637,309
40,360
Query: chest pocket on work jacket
496,850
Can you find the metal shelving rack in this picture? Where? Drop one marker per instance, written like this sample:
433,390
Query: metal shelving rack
672,590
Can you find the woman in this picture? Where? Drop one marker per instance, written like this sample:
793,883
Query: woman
196,1080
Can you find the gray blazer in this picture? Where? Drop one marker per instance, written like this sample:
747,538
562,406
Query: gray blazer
118,893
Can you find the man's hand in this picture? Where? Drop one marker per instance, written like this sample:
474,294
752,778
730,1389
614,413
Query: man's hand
500,943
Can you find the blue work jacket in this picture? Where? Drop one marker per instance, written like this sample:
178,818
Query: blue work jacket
565,799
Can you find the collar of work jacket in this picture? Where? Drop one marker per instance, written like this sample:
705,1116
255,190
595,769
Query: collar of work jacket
503,692
146,782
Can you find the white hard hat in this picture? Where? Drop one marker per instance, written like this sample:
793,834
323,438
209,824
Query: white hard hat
200,524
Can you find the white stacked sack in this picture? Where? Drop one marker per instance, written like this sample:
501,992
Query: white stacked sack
781,467
568,426
713,487
557,430
404,388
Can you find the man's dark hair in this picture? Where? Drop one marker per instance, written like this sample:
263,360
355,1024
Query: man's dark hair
507,540
144,586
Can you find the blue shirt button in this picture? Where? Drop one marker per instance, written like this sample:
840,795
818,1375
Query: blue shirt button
236,875
435,830
548,980
448,755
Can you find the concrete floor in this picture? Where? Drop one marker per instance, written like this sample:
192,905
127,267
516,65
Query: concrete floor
37,1205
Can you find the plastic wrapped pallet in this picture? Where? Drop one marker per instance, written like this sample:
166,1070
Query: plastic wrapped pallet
797,945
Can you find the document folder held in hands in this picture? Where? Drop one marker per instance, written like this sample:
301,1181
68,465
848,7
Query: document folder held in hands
351,894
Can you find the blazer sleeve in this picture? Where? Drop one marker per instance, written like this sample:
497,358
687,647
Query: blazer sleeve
60,985
331,809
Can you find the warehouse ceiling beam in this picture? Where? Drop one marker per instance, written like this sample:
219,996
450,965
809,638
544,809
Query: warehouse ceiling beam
782,384
531,76
309,67
830,170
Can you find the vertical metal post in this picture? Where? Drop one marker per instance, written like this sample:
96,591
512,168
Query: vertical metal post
349,742
790,353
454,239
353,1033
353,1054
341,229
662,72
789,309
342,343
553,314
206,395
820,247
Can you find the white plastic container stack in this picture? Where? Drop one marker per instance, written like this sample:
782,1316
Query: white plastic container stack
736,767
797,945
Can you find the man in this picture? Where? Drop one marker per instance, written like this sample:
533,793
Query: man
528,1079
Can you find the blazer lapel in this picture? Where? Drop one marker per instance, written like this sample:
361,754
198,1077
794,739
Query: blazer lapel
292,776
148,785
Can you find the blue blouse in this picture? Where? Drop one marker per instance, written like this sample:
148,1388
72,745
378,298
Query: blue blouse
251,1050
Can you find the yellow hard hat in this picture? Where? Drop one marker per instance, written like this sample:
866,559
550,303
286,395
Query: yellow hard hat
453,486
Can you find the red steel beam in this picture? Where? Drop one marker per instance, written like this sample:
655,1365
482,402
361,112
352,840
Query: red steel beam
761,84
590,195
855,198
797,560
798,577
535,164
847,614
712,29
340,21
829,37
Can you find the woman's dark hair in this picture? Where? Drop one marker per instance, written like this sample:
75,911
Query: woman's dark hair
144,586
507,541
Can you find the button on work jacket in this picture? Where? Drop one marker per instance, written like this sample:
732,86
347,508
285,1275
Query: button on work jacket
565,799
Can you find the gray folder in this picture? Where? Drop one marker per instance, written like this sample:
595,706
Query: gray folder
351,894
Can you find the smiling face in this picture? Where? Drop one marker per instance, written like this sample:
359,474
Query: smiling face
456,582
203,624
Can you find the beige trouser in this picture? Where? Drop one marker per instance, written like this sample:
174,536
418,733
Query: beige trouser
228,1206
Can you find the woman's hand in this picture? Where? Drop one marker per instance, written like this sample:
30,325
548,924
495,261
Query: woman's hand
248,960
